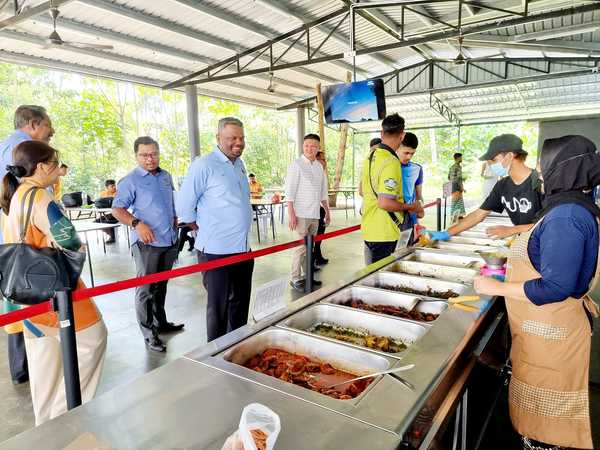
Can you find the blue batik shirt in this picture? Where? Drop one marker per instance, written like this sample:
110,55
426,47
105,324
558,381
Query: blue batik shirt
150,198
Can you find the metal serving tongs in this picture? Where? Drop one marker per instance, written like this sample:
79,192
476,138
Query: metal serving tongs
458,302
383,372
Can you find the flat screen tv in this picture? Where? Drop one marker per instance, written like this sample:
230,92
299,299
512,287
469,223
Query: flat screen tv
361,101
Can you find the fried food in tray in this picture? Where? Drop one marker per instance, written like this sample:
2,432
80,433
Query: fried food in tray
396,311
428,292
358,337
310,374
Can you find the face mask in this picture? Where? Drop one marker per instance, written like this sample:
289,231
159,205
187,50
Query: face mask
499,170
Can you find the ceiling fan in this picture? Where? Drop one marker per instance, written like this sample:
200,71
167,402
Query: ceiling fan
461,59
54,39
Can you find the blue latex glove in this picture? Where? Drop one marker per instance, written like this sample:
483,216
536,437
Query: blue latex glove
438,235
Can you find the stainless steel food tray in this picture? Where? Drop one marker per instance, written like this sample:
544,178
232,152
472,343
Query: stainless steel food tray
406,331
373,296
431,307
478,241
346,358
462,275
449,258
455,246
472,233
400,280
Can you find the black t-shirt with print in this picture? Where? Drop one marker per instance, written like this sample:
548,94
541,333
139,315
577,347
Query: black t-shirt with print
521,201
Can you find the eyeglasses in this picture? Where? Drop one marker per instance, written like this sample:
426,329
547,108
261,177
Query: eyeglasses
148,155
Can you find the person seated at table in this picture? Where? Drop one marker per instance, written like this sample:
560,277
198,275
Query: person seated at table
256,190
110,189
105,201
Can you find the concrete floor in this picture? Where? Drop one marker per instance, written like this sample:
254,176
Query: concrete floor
126,356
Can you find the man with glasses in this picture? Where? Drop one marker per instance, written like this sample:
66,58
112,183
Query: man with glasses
148,192
31,123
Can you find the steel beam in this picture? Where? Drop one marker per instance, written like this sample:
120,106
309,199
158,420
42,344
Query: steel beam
174,27
563,30
86,30
271,66
27,60
443,110
339,37
488,25
32,12
133,61
246,24
551,45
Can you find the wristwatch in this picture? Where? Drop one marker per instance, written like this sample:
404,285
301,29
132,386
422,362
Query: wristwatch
135,222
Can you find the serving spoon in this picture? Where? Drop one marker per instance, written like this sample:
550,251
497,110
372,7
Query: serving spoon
376,374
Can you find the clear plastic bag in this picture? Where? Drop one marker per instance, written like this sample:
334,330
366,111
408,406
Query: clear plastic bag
257,416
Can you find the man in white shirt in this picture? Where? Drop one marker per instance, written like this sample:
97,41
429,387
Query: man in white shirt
306,191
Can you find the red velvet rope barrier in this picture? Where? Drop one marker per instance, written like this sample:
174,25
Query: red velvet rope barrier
82,294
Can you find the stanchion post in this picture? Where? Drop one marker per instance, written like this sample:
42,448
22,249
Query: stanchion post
445,211
438,208
63,303
308,242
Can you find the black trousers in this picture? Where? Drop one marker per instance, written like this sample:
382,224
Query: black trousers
228,290
150,298
185,237
17,358
375,251
320,230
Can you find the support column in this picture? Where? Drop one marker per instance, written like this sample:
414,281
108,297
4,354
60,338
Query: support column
191,100
300,127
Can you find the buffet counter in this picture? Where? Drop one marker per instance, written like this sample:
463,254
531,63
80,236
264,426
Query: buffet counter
392,313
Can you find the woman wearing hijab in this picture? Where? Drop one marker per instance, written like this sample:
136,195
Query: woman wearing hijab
550,273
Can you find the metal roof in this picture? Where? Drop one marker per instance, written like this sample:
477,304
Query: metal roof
158,42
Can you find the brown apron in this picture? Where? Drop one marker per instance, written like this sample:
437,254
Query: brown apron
548,393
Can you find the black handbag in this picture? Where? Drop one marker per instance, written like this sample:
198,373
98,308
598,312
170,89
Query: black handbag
30,275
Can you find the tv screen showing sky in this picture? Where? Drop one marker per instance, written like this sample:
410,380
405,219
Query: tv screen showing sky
354,102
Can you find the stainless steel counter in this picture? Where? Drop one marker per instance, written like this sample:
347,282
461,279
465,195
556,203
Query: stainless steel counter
195,402
187,405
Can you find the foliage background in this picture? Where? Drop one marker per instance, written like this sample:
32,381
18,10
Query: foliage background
97,120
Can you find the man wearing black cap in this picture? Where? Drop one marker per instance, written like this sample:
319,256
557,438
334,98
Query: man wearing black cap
518,191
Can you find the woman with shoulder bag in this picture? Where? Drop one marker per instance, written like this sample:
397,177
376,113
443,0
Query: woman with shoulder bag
36,166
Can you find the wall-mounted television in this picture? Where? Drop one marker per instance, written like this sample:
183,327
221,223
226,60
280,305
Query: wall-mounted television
361,101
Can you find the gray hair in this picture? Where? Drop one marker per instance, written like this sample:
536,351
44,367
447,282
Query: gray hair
27,113
229,121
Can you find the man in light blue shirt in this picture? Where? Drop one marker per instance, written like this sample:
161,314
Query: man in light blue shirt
215,200
148,192
31,123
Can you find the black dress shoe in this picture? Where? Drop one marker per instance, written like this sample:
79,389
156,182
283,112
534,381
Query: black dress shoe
156,345
298,285
20,380
110,241
321,261
170,327
317,282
